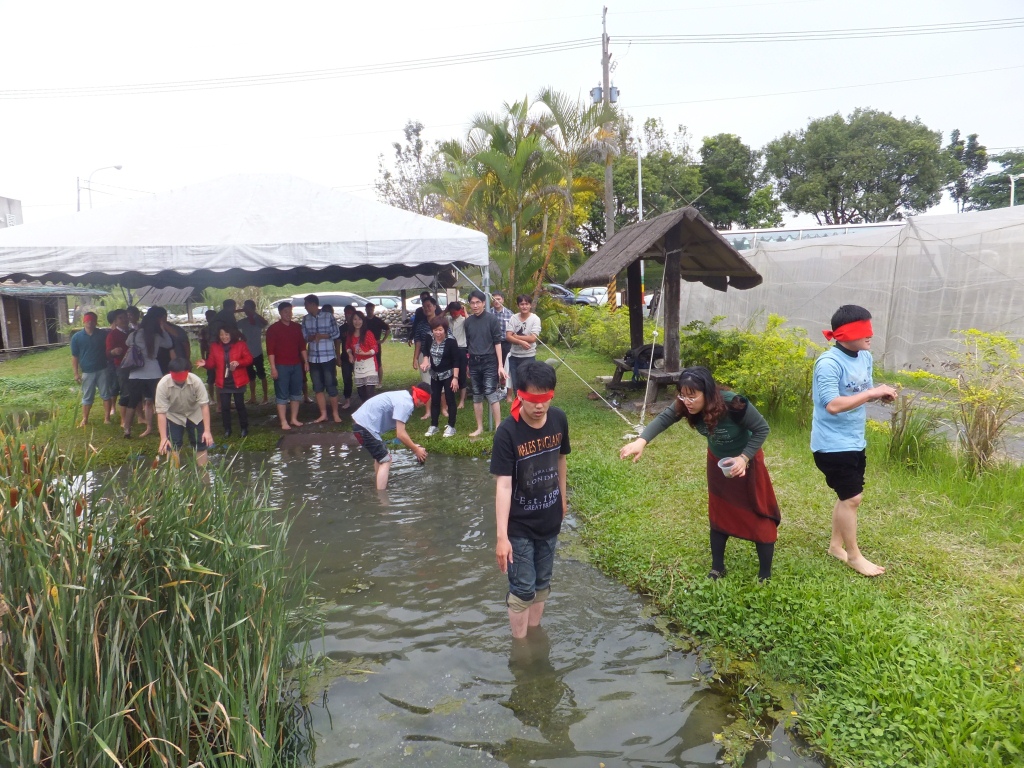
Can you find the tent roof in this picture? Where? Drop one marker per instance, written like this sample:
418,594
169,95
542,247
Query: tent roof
706,255
236,231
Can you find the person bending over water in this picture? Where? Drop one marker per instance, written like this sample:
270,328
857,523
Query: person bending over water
743,503
382,413
528,461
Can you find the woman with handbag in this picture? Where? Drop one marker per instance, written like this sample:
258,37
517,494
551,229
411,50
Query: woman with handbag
229,359
142,359
741,500
361,350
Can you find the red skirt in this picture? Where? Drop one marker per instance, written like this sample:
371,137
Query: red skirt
744,507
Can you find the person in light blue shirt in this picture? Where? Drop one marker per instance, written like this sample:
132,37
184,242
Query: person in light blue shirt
383,413
842,385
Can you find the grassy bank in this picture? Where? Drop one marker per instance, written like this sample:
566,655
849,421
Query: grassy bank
921,667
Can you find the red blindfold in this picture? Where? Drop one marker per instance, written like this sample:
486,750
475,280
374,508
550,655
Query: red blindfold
529,398
179,376
859,329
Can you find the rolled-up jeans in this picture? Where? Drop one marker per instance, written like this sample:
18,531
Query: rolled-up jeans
529,573
483,373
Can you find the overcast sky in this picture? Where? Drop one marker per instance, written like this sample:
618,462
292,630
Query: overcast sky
330,130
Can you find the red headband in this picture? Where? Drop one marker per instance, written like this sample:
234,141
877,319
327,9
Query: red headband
522,395
419,397
179,376
858,329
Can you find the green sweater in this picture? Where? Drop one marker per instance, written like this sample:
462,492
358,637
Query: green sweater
730,438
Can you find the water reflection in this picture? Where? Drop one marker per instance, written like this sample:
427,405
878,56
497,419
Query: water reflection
414,596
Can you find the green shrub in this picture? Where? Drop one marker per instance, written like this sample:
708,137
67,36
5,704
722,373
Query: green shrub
148,618
702,343
913,433
774,369
984,392
607,332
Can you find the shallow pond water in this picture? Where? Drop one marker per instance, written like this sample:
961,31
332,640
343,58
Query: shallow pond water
416,603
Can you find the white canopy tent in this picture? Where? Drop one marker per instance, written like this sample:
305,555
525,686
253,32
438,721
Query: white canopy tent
921,282
237,231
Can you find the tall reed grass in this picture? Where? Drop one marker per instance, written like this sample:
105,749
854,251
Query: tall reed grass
149,618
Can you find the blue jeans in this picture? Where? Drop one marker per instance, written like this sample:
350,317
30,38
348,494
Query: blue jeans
533,561
288,384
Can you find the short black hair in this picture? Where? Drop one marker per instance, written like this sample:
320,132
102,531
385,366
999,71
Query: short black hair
537,375
497,293
849,313
284,304
312,299
428,300
179,364
211,314
248,303
524,297
229,304
478,295
438,320
113,314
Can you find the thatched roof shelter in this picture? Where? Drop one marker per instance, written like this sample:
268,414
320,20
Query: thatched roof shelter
689,247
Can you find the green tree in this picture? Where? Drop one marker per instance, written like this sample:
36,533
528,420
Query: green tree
993,189
404,183
764,211
728,170
968,160
871,167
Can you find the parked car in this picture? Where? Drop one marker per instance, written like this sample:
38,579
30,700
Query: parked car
386,302
600,293
337,299
413,303
564,295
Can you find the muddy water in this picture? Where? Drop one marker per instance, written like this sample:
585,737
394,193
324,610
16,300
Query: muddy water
415,603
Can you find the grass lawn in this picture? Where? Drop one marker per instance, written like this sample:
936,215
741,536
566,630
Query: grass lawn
920,667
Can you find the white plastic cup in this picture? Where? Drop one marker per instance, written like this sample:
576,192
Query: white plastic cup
726,465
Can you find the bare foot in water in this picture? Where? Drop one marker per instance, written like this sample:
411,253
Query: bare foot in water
865,567
476,433
838,552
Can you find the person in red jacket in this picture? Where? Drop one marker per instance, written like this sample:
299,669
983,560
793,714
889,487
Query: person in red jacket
229,358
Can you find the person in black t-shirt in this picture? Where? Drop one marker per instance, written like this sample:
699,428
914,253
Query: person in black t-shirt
528,460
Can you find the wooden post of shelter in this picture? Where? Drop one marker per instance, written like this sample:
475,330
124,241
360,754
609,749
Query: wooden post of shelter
635,302
673,257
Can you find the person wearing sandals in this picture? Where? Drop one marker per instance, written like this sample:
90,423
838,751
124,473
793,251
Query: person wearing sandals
442,361
230,358
741,499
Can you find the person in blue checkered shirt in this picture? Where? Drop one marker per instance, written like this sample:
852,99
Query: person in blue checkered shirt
320,330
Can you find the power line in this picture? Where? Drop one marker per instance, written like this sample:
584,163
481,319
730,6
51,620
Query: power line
363,70
747,38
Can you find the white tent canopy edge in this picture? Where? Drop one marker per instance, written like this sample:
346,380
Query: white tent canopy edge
236,231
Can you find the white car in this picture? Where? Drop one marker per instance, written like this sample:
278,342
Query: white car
337,299
600,294
412,304
386,302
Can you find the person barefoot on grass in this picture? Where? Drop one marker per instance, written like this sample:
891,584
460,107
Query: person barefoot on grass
842,384
483,340
286,351
382,413
321,331
529,464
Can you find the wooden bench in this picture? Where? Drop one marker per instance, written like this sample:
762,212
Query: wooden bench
659,379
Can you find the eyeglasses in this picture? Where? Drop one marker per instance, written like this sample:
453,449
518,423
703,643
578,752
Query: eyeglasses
688,399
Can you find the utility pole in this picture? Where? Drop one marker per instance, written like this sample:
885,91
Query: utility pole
606,75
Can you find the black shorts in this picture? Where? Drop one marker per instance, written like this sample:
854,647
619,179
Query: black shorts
371,443
844,471
176,433
257,370
141,389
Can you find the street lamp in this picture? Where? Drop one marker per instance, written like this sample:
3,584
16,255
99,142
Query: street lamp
1013,178
88,184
